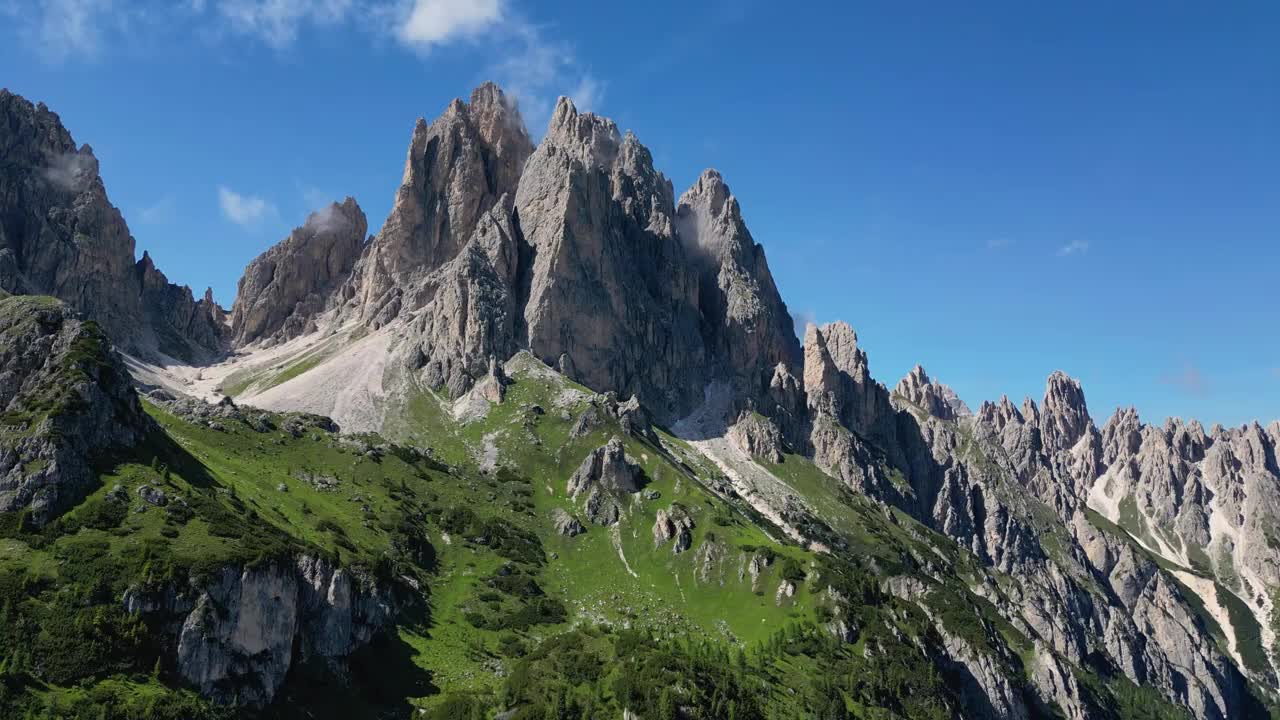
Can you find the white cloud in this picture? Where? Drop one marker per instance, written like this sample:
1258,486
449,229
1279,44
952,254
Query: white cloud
998,243
70,171
277,22
245,210
1075,247
435,22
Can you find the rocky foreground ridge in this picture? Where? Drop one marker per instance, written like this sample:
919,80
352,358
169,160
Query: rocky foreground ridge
1122,539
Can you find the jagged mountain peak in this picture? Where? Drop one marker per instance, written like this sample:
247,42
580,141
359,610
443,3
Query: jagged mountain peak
999,414
838,342
1065,414
591,139
285,289
457,168
62,237
935,398
710,191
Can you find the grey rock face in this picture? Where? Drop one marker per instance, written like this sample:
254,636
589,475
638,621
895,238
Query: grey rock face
747,328
65,396
838,382
606,467
934,398
285,288
1065,417
60,236
247,626
470,317
1209,501
566,524
181,326
610,285
986,481
458,169
673,524
605,476
757,436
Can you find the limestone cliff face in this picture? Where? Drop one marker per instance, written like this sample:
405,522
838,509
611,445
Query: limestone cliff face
284,289
458,169
65,397
1209,501
838,382
238,632
470,318
181,326
575,251
611,287
745,324
60,236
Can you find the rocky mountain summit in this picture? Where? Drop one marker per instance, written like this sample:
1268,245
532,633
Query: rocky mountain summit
60,236
548,346
285,288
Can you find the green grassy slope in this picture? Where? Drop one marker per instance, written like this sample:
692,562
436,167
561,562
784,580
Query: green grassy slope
501,612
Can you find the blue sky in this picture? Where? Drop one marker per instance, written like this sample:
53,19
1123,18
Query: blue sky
995,190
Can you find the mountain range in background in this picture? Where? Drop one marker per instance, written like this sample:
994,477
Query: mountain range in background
554,312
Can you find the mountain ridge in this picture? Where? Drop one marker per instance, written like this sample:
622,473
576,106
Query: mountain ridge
522,299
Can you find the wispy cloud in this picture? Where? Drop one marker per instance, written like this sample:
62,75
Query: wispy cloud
801,319
61,30
1189,378
244,210
536,69
315,198
588,95
70,171
1075,247
162,211
526,58
999,243
277,22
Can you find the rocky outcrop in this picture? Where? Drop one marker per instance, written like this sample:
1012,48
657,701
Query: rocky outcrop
240,630
566,524
610,286
838,382
182,327
673,525
745,324
284,289
757,436
607,467
66,397
605,476
61,236
934,398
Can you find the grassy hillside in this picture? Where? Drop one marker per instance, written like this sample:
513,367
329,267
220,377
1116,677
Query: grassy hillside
500,611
